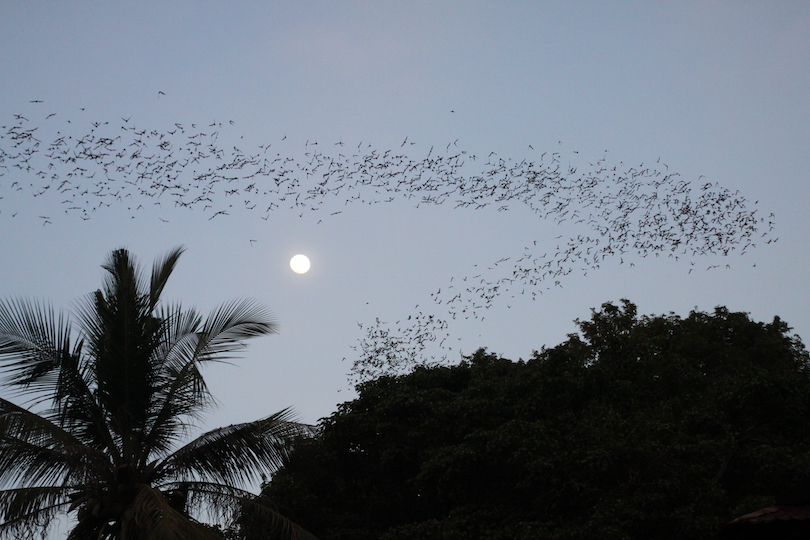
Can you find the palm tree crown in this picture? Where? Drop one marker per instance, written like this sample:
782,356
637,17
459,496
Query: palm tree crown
114,393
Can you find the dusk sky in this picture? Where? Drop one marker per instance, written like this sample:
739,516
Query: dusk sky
717,92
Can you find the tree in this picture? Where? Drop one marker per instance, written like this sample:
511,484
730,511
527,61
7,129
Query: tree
638,427
110,398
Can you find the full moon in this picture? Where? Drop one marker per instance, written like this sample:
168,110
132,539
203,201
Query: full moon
299,264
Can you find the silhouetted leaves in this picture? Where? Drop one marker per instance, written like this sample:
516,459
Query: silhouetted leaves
114,392
638,427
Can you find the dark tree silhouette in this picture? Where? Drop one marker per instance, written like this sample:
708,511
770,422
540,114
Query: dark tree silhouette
636,428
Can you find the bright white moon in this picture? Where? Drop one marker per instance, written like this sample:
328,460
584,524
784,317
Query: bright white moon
299,264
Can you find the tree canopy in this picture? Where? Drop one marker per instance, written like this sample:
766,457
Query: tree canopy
111,396
636,427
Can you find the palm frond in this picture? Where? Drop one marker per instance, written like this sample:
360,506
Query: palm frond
178,338
75,405
35,451
178,349
161,270
152,517
225,503
33,340
237,453
181,393
19,421
225,330
185,396
29,512
35,345
184,348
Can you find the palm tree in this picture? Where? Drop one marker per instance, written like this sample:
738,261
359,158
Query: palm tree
108,401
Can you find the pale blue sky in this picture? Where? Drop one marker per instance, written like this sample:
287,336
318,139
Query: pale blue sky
718,89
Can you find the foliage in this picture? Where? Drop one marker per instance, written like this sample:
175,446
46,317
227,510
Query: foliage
110,398
638,427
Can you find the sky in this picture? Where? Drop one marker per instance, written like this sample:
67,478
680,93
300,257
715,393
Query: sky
715,92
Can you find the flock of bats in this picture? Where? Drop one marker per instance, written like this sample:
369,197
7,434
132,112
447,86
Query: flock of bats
641,211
